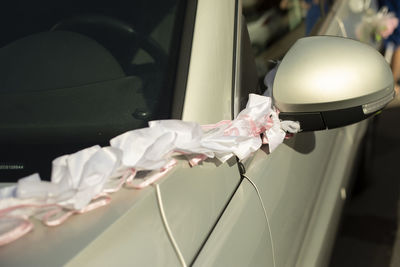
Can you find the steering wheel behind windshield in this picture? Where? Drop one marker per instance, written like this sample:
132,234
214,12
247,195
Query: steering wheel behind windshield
120,39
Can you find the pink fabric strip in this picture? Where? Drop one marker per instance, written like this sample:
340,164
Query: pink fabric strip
127,176
100,200
194,161
58,216
24,227
150,180
207,127
5,211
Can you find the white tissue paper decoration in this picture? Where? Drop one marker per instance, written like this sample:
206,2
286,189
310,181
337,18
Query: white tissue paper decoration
82,181
376,26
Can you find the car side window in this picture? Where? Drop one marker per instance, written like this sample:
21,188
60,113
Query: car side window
246,71
274,26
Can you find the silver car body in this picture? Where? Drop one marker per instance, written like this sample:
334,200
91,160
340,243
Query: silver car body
284,213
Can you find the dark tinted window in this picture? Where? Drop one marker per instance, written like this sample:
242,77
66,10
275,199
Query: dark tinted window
73,76
275,25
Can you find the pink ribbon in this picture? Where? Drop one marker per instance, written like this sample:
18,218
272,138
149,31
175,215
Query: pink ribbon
152,178
250,124
54,217
23,227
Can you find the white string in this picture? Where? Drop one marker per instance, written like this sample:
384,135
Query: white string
266,217
169,232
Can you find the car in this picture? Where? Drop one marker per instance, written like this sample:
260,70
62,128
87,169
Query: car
192,61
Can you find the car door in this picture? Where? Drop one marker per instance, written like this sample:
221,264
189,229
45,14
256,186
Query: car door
303,182
195,198
241,236
289,179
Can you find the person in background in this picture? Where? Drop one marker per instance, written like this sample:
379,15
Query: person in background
313,13
294,12
394,6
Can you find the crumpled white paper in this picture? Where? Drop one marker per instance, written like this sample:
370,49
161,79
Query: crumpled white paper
79,178
376,25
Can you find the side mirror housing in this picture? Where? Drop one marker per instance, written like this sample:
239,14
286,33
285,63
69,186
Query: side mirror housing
326,82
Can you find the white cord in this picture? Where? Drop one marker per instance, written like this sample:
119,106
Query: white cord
169,232
266,217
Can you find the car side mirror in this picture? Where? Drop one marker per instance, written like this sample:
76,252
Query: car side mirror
326,82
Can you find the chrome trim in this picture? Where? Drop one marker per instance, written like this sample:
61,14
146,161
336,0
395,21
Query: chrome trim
236,60
377,105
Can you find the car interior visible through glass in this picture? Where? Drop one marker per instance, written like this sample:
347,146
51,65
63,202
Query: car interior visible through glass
274,26
74,76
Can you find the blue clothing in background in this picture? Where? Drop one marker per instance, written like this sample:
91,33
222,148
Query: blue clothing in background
393,6
312,17
313,14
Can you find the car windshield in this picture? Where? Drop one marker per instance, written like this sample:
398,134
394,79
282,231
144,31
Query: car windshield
75,76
